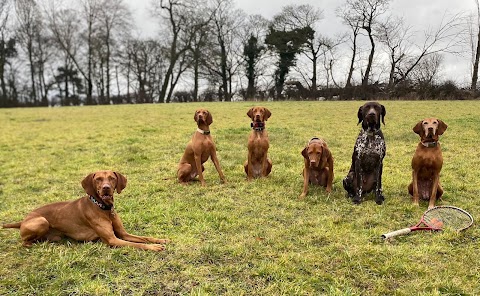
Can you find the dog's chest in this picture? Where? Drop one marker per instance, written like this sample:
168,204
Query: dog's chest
370,148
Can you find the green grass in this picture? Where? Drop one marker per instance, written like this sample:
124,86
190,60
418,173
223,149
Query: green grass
239,238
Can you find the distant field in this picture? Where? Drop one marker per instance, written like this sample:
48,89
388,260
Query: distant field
239,238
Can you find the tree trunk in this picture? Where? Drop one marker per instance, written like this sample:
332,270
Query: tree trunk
195,79
352,62
107,70
475,64
370,59
313,88
32,73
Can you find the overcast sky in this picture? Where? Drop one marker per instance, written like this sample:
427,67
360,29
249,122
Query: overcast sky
421,14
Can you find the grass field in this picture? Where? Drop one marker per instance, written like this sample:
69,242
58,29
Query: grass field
238,238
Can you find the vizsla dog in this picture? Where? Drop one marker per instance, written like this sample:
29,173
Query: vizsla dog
88,218
365,173
198,150
318,168
427,162
258,164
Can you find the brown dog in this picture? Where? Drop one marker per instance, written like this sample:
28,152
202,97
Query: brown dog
318,168
427,162
198,150
86,219
258,164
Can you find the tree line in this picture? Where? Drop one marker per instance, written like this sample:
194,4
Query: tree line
66,52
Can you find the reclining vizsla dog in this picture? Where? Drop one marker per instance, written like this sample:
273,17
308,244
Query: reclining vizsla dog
88,218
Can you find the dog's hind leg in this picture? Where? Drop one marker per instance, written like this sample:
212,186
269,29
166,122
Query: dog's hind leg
34,229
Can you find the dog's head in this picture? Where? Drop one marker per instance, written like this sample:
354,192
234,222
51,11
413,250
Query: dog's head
316,153
259,114
370,115
102,184
430,128
202,116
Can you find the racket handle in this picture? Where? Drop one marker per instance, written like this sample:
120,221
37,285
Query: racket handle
396,232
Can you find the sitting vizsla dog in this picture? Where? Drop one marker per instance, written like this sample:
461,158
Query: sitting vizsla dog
198,150
258,164
427,162
318,168
85,219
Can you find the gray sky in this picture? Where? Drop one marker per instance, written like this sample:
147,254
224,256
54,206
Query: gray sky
421,14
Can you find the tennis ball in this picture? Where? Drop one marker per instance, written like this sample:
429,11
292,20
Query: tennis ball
434,222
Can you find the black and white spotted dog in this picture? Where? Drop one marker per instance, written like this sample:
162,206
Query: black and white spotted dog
365,173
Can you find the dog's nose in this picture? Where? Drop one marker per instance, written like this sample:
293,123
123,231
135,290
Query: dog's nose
371,114
106,187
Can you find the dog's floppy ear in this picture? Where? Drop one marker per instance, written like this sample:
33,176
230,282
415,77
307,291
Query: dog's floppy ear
121,182
325,154
384,112
209,119
195,116
360,115
418,128
304,152
442,127
87,184
267,114
250,113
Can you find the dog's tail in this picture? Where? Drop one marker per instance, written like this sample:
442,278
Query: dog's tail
12,225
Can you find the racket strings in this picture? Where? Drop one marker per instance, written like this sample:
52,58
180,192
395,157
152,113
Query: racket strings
450,217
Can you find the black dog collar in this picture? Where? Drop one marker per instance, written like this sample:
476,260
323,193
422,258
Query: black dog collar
203,132
101,205
258,126
430,144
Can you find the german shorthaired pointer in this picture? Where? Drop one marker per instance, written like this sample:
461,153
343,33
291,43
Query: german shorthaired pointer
365,173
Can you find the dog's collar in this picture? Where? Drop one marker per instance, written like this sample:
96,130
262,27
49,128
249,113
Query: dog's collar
371,133
101,205
429,144
203,132
258,126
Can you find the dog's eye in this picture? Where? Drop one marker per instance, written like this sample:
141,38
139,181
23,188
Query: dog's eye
435,122
425,123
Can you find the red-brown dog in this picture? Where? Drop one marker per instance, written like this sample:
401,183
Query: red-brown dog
427,162
318,168
258,164
198,150
89,218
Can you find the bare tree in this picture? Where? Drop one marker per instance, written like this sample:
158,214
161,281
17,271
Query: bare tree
446,38
144,61
355,25
68,33
114,19
476,49
366,13
27,32
426,72
64,25
396,37
7,51
226,53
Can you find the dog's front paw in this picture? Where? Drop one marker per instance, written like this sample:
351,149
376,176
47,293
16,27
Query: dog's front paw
155,247
357,199
379,199
160,241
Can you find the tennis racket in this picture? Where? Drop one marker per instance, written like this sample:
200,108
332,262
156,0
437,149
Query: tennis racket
436,219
